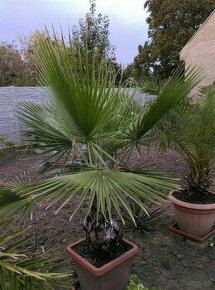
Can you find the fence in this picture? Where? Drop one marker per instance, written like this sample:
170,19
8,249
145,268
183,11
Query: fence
10,97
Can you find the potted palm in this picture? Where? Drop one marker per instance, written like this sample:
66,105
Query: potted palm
191,133
90,128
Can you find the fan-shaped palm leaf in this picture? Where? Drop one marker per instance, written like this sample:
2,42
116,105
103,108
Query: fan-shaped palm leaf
109,189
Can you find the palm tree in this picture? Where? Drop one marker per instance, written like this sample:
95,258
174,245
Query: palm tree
90,128
190,131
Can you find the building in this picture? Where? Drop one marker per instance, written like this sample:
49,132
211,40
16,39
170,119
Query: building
200,51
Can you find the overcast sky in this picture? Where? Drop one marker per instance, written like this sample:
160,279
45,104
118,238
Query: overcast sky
128,26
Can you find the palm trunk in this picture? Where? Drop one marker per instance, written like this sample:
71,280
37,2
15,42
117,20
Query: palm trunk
103,237
199,177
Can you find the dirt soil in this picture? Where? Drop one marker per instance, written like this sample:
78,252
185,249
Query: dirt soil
164,259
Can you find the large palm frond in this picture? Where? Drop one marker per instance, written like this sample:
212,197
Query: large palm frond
14,205
17,270
20,269
172,92
86,100
108,189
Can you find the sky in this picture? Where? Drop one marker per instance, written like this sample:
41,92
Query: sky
128,26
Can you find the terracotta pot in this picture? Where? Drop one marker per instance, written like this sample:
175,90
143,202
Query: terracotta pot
112,276
196,219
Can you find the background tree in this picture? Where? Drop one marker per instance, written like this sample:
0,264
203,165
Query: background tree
18,65
11,65
171,24
28,45
92,35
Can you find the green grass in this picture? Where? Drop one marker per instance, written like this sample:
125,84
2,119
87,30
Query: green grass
134,284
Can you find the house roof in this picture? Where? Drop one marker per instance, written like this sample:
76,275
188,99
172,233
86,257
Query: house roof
213,13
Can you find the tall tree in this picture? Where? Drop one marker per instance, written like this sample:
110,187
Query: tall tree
171,24
18,66
28,46
11,65
92,35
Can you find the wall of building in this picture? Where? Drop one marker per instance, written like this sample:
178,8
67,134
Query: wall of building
200,51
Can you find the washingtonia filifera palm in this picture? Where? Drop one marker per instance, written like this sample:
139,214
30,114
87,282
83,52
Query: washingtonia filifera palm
91,127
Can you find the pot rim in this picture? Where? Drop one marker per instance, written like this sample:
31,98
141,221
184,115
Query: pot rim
108,266
179,202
